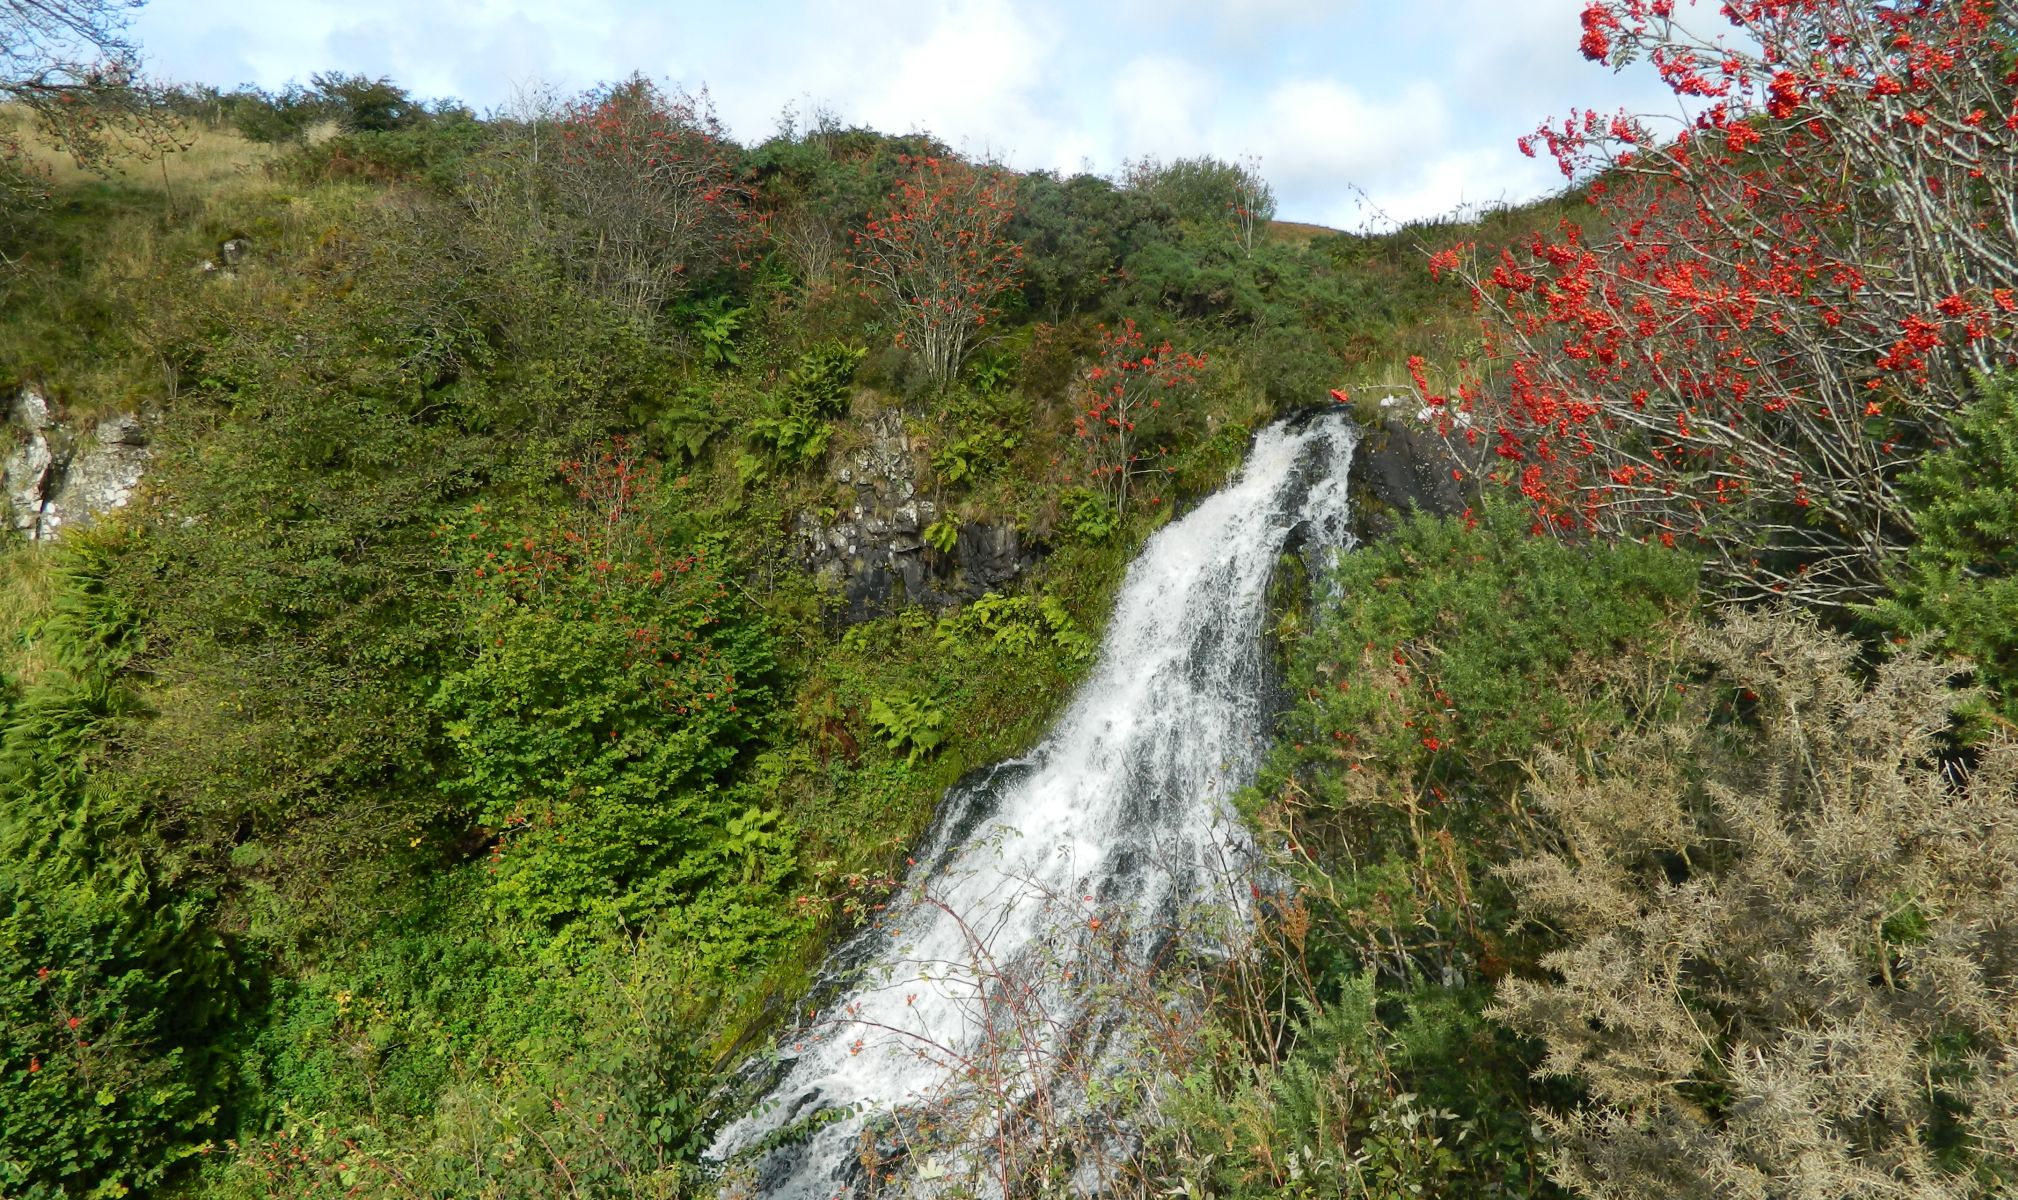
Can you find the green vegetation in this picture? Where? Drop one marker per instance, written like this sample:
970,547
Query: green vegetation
449,770
1959,581
1444,665
1577,877
120,1003
451,747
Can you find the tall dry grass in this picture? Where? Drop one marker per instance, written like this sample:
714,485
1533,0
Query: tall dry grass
206,158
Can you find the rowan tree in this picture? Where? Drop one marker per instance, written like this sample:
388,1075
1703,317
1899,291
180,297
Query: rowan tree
1775,312
646,194
1124,397
938,258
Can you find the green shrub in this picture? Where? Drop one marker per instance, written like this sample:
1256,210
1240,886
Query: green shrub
716,322
1450,646
117,998
963,460
943,534
1373,1096
1960,577
819,382
909,725
1088,515
1014,625
613,684
797,429
795,436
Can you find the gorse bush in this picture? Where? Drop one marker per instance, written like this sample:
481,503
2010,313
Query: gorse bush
1791,962
1960,577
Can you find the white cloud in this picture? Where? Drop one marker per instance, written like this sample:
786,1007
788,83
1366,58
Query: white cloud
977,73
1161,106
1418,104
1318,133
1459,178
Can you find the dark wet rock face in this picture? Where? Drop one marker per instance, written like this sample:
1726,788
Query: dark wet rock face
874,552
1404,467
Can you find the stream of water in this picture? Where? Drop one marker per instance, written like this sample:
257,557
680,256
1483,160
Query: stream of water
1124,807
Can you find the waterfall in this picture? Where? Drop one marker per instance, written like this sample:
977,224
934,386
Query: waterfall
1123,810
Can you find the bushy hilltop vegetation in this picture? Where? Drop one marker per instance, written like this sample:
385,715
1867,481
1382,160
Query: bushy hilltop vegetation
447,770
451,729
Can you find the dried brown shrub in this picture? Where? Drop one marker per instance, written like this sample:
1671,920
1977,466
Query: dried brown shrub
1792,938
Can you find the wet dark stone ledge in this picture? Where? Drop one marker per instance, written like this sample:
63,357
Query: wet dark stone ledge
1403,467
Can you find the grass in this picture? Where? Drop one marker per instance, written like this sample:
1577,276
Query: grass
108,277
27,595
1298,233
207,160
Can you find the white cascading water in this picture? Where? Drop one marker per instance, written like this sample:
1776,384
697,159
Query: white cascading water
1125,806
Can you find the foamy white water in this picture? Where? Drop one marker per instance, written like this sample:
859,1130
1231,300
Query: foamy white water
1124,807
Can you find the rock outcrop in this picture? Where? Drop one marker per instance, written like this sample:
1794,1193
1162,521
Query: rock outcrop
874,552
55,476
1404,467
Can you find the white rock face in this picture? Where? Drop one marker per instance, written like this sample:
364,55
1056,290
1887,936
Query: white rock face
54,476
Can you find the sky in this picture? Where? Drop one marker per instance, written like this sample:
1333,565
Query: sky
1361,112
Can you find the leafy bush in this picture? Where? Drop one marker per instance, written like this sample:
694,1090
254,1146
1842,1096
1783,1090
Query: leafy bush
1014,624
716,322
1088,516
962,460
797,428
794,436
646,196
1450,644
1629,352
818,383
1343,1111
909,725
939,260
612,685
